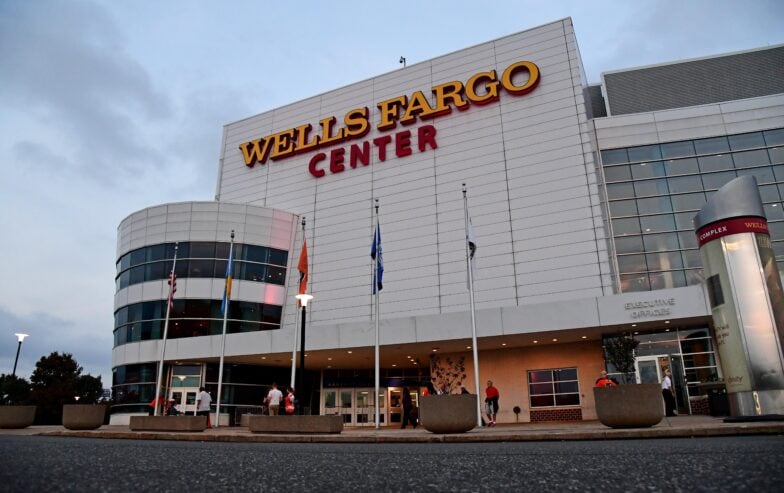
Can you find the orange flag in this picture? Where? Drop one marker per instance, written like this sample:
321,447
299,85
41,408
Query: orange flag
303,268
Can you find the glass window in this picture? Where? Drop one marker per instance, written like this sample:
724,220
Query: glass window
628,226
746,141
156,252
661,242
664,261
644,153
255,254
651,187
687,239
694,276
155,271
774,212
776,230
271,314
778,171
557,387
747,159
763,175
688,201
661,222
620,190
774,137
278,257
769,193
677,149
138,256
615,156
719,162
222,250
628,244
253,272
683,184
776,154
712,145
691,259
201,268
137,275
683,220
648,170
617,173
275,275
682,166
634,282
714,181
632,263
202,249
665,280
623,208
654,205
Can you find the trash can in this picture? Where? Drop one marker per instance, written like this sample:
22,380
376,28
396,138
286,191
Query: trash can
718,404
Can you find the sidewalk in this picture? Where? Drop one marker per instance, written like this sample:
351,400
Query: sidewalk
681,426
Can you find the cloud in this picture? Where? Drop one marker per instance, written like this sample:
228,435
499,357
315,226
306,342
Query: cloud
90,348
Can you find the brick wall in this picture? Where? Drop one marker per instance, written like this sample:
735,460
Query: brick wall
556,414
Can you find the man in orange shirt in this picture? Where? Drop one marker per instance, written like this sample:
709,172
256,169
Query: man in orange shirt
605,381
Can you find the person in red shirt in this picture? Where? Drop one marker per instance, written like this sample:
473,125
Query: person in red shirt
605,381
491,403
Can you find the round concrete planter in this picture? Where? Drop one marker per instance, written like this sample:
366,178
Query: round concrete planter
16,416
629,406
83,416
448,413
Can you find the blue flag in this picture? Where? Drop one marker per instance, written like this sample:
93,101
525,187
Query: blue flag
227,289
376,250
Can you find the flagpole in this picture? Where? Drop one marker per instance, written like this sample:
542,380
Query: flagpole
296,333
169,303
378,293
473,311
227,296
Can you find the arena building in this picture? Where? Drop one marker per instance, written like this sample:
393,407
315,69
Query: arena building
581,197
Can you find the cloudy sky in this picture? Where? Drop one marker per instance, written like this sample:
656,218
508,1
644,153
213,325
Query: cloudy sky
107,107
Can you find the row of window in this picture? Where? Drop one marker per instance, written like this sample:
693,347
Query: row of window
201,250
648,281
699,147
557,387
191,318
201,268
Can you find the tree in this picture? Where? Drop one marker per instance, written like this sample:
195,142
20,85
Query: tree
13,390
447,373
58,380
620,352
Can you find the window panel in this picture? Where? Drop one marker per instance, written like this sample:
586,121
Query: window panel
683,220
714,181
774,137
654,205
694,276
542,401
615,156
278,257
644,153
540,376
617,173
776,230
719,162
138,256
688,201
566,387
714,144
202,249
544,393
769,193
691,259
627,226
664,261
567,400
665,280
682,166
628,244
747,159
651,187
776,155
137,275
677,149
684,184
623,208
632,263
774,211
540,388
156,252
654,224
635,282
648,170
661,242
255,253
763,175
563,374
201,268
620,190
746,141
687,239
275,275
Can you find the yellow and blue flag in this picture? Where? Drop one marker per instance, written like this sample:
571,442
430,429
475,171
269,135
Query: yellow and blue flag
227,289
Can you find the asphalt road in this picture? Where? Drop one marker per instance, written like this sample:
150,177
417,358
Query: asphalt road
31,463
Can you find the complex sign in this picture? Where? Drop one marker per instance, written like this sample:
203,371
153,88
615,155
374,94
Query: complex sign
481,88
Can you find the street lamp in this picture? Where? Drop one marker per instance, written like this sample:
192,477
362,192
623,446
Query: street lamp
20,337
303,300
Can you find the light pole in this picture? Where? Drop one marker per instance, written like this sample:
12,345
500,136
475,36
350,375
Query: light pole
20,337
303,300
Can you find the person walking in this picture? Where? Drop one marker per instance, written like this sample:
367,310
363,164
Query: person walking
290,402
669,398
274,396
406,407
203,401
491,403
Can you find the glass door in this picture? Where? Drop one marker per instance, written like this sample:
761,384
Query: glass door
346,409
331,402
648,369
365,412
184,399
395,405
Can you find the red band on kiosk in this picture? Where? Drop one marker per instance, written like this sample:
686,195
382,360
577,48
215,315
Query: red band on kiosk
732,226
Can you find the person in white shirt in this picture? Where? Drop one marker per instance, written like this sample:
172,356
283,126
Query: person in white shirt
669,398
203,401
273,399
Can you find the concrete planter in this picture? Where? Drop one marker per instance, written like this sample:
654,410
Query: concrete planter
83,416
448,413
16,416
168,423
629,406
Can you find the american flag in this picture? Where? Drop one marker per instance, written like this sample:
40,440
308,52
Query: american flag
172,288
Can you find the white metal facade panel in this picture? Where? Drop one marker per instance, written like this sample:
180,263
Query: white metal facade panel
527,161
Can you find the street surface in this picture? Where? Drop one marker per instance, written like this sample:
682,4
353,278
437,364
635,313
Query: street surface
35,463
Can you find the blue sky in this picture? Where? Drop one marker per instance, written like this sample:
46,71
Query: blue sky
110,106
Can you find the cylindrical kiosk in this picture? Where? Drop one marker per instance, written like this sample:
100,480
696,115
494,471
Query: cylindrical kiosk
745,295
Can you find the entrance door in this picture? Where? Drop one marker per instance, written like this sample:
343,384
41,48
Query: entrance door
649,369
395,405
184,398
